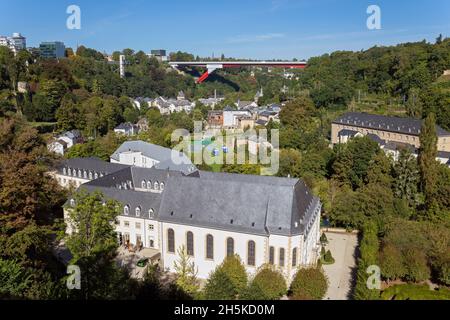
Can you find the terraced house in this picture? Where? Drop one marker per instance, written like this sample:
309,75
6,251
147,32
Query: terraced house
213,215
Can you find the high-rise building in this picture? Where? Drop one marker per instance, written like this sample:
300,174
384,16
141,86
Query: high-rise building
16,43
159,54
122,65
55,49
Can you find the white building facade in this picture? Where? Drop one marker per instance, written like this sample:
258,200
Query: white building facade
213,215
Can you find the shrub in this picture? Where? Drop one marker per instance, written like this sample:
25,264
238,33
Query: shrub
268,284
368,256
327,258
219,286
416,265
391,263
235,270
323,239
228,281
309,284
415,292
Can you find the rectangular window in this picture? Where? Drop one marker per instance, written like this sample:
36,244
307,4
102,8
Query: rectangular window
138,225
151,227
126,223
281,257
272,255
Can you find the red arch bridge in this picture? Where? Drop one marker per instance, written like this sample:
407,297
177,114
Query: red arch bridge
211,66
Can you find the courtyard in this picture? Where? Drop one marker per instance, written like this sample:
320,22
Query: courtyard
340,275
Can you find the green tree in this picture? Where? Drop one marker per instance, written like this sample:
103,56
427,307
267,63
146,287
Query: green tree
93,245
14,280
368,256
309,284
406,175
227,281
268,284
428,166
391,263
186,273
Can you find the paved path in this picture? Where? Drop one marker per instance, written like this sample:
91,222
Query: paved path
340,274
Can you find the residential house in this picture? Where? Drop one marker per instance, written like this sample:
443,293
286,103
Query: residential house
127,129
65,141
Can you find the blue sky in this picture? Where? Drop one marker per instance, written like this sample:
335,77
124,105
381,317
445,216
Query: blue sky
260,29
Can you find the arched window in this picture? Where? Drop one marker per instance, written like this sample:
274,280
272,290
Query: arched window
156,186
272,255
126,210
170,241
251,253
161,186
69,171
294,257
149,184
96,175
79,173
143,184
138,211
209,247
281,257
64,171
230,247
90,175
151,213
190,243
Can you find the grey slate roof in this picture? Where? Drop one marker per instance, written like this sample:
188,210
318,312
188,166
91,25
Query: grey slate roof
250,204
393,124
257,205
347,133
161,154
377,139
144,200
90,164
133,177
444,154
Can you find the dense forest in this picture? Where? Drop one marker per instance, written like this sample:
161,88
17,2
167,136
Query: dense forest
402,207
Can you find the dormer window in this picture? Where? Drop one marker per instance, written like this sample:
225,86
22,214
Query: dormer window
69,172
96,175
149,184
79,173
138,211
126,210
151,213
64,171
85,174
161,186
156,185
143,184
90,175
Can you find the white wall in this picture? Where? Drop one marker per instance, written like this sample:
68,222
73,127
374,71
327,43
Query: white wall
135,159
204,265
144,230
